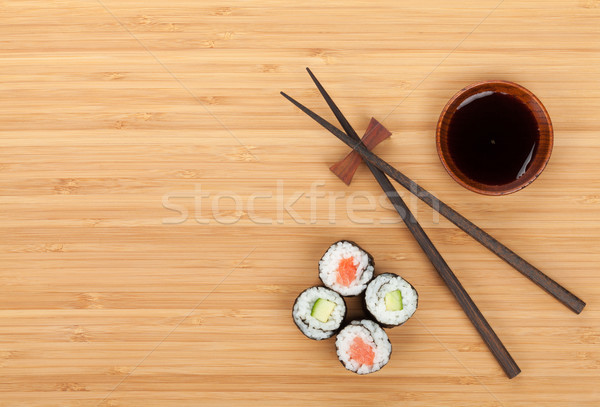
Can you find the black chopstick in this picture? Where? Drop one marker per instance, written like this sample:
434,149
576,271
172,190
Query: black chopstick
504,358
549,285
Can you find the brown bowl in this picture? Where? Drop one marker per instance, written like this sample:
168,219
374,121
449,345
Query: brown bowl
538,161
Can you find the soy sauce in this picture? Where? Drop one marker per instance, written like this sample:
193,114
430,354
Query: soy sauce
492,137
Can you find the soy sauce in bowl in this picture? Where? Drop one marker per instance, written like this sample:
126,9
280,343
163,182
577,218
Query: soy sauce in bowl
492,137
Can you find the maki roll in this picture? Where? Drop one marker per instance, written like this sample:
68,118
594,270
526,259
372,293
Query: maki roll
391,299
319,312
363,347
346,268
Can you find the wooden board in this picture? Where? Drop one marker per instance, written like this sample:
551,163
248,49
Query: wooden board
117,115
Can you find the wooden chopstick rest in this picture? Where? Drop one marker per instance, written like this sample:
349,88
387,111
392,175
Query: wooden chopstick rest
374,135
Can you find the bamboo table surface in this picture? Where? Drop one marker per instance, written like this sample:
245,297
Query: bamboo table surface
162,205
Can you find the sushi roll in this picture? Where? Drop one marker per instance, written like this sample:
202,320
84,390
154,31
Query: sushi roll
319,312
391,300
363,347
346,268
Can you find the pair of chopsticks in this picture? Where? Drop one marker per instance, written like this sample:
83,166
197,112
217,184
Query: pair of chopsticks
380,169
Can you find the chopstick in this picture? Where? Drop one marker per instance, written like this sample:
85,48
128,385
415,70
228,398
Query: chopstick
549,285
504,358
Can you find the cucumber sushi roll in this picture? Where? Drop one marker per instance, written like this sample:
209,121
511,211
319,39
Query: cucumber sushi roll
363,347
346,268
319,312
391,299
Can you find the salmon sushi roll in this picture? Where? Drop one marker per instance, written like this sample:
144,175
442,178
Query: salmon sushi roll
319,312
391,300
363,347
346,268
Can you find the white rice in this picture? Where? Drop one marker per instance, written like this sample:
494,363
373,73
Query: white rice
328,266
309,325
375,299
370,333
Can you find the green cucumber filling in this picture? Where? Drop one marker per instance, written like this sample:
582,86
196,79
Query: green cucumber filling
322,309
393,301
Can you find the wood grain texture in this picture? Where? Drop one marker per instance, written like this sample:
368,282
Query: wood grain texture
113,112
